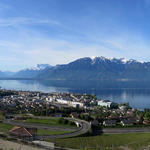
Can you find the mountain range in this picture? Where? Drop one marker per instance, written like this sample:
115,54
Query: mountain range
97,68
32,72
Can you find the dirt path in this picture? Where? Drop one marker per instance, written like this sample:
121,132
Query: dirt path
8,145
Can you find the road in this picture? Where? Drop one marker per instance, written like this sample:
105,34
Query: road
40,126
84,127
124,130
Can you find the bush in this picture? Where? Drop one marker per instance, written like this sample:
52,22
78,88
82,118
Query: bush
61,120
66,121
71,123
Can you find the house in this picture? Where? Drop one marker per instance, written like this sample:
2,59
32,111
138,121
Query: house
23,133
123,108
113,117
75,104
135,119
109,123
126,122
146,122
74,115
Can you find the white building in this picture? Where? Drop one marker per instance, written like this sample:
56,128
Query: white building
76,104
123,108
70,103
62,101
49,99
106,103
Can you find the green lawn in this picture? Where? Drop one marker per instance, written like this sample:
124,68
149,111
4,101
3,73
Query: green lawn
5,127
107,142
50,121
50,132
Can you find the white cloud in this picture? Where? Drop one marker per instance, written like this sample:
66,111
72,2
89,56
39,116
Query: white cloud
130,45
31,50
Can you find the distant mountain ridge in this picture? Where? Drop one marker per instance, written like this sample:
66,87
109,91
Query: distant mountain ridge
31,72
97,68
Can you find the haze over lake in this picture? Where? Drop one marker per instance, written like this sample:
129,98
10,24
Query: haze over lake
137,93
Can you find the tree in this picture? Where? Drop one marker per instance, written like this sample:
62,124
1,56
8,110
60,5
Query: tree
147,116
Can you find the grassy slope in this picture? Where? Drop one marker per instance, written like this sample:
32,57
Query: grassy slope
107,141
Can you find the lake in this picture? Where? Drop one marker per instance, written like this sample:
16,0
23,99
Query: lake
137,93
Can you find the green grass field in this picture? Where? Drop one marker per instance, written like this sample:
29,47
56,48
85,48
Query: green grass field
5,127
50,121
107,142
50,132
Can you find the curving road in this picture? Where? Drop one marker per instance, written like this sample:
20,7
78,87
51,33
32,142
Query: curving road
40,126
84,127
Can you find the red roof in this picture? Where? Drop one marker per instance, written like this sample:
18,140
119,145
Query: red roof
20,131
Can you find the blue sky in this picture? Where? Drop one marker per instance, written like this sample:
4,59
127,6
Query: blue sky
60,31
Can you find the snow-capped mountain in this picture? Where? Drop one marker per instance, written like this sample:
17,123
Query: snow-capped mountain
32,72
95,68
115,60
40,67
99,68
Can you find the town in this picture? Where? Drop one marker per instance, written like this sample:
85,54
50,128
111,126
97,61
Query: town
100,113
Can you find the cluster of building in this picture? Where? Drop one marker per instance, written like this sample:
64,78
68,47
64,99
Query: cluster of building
105,112
27,100
129,118
30,98
67,99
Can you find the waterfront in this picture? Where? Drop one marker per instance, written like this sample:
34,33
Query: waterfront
136,93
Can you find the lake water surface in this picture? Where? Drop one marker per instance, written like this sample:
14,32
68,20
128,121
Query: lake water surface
137,93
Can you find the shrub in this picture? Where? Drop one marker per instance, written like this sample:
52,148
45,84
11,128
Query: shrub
66,121
71,123
61,120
